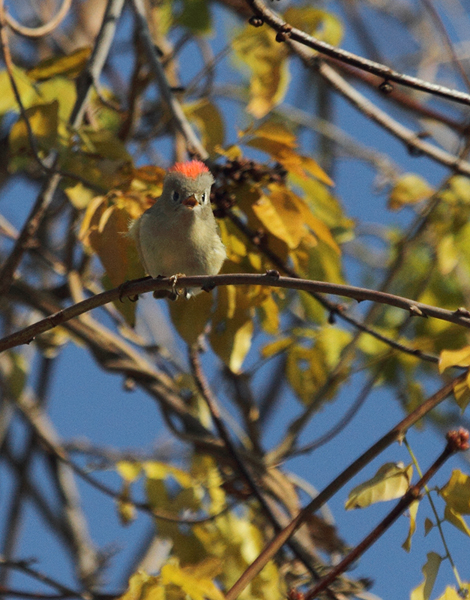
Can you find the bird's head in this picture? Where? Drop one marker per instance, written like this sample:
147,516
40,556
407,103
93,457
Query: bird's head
187,186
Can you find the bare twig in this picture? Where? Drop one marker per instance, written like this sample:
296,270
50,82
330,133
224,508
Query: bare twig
36,32
461,316
286,31
193,144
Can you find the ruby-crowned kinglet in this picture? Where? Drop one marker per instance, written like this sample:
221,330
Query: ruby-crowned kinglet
179,234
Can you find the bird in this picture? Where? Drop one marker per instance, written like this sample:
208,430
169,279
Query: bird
179,235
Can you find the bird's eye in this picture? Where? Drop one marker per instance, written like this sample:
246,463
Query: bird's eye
175,196
203,197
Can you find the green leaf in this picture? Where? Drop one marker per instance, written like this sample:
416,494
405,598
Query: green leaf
195,15
14,371
391,481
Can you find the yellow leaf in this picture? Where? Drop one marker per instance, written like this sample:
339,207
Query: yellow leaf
289,232
79,195
7,98
430,570
269,315
43,119
126,508
70,65
191,316
454,358
280,136
409,189
413,510
448,254
462,392
391,481
144,587
14,370
319,23
128,470
276,347
232,326
207,118
314,169
266,60
194,580
450,593
456,492
456,519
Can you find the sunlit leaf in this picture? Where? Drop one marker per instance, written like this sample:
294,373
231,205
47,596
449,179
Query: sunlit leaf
70,65
79,195
7,98
43,120
456,519
207,118
450,593
454,358
129,470
456,492
144,587
319,23
430,570
462,392
194,580
409,189
391,481
413,510
232,326
266,61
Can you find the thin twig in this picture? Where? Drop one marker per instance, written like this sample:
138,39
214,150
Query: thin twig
386,73
193,144
42,30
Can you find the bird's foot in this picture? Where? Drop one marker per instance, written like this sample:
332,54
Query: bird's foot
123,287
181,291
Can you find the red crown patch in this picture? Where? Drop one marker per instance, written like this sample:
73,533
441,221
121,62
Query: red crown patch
190,169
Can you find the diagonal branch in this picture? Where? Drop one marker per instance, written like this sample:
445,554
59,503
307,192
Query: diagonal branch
389,438
286,31
180,120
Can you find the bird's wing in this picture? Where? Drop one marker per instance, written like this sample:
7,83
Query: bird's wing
134,233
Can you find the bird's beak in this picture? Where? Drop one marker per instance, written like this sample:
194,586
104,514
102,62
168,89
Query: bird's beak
190,202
